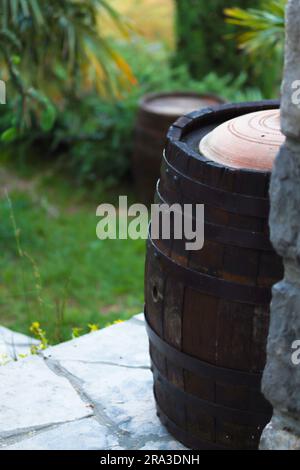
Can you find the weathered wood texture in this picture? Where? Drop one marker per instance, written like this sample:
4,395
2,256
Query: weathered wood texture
208,310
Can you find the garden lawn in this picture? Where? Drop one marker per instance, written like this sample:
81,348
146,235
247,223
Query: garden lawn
66,278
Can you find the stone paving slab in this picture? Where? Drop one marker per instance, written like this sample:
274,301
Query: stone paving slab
94,392
123,396
13,344
32,396
86,434
124,344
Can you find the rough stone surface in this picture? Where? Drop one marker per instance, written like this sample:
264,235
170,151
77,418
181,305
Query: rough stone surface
129,339
281,380
123,395
290,111
86,434
94,392
285,208
278,436
31,397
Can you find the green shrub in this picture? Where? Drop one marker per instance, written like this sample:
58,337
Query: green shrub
96,141
205,43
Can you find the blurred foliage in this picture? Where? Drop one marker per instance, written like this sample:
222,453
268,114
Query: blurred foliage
151,19
205,42
100,140
67,119
265,27
51,50
93,135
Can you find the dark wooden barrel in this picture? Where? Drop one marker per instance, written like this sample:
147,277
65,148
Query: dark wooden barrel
207,311
156,114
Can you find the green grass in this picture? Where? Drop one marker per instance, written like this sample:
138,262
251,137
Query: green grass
82,279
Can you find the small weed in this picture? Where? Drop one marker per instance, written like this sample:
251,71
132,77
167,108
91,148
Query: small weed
39,334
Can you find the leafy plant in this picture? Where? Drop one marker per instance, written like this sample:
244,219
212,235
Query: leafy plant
265,26
262,39
39,334
49,51
201,32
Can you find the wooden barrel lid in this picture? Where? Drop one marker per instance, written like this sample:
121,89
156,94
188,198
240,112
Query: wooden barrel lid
177,103
250,141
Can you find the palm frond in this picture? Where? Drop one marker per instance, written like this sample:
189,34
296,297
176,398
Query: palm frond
60,29
264,28
59,46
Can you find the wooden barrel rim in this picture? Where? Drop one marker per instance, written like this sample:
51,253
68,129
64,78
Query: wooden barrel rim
229,235
199,117
143,102
150,135
210,285
206,116
230,201
185,159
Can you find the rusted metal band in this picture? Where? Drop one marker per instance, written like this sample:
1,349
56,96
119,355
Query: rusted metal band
229,235
201,368
236,237
200,193
185,438
212,285
229,415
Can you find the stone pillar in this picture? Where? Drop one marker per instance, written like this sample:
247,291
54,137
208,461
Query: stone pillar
281,380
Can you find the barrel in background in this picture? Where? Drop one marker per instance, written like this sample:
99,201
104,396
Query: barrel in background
157,112
207,311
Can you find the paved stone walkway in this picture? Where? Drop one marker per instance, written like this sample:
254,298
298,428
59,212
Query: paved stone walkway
92,393
12,345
